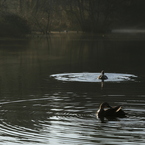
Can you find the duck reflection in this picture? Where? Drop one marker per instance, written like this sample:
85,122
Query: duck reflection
102,83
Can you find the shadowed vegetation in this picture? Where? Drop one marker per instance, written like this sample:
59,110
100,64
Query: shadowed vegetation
13,25
18,17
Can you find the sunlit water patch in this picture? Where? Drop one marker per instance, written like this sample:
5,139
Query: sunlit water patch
93,77
39,121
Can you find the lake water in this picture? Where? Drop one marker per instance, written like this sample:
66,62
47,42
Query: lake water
39,106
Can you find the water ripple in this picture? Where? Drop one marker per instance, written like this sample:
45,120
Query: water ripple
55,119
93,77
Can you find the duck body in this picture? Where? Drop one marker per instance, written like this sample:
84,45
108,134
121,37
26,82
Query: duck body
102,76
111,113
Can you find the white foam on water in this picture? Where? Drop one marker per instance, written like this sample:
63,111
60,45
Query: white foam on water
93,77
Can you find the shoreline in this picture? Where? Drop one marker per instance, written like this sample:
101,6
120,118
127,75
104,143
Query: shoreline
102,36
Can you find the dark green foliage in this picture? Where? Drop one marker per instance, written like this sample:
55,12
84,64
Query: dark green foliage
95,16
12,25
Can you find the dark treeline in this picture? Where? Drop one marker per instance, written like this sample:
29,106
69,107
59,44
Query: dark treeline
97,16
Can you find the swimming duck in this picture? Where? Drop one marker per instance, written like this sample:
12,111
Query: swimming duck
102,76
111,113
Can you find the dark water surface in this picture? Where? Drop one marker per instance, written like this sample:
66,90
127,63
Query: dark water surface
36,108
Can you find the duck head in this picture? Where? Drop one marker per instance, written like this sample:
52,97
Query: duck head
102,72
101,111
105,105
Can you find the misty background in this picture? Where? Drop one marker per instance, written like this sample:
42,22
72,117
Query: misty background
20,17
